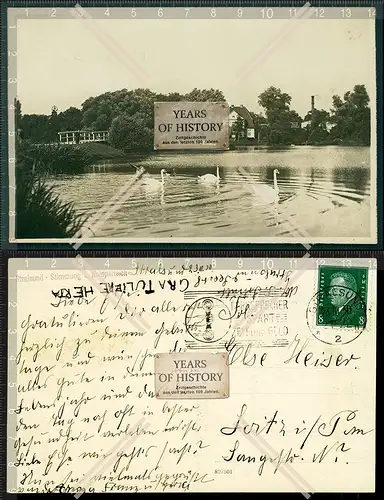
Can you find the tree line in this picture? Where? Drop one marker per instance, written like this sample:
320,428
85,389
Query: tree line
128,115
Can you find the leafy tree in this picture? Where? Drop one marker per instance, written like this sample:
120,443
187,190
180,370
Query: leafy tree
131,132
295,119
296,133
18,116
43,128
204,95
239,128
258,119
259,123
35,128
273,99
70,119
351,117
102,122
278,130
317,131
105,111
89,117
280,127
171,97
100,111
54,124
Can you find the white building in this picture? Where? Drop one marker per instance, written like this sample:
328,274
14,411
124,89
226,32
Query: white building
306,123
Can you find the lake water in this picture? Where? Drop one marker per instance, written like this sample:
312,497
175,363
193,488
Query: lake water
324,192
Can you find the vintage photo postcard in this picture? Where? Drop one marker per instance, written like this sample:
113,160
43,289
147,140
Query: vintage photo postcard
191,375
192,125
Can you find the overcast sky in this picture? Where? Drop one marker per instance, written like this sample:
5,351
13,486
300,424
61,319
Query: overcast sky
62,62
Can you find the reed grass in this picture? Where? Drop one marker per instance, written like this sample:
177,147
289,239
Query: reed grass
40,211
51,159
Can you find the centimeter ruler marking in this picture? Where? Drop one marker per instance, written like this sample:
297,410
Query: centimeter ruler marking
191,3
214,10
170,253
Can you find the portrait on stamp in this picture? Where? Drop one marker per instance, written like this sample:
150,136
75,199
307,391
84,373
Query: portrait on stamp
342,297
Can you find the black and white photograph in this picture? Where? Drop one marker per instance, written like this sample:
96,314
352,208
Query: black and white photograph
181,125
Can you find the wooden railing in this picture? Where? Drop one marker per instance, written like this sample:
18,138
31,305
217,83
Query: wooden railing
81,136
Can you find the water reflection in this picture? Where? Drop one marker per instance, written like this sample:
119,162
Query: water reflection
355,179
318,189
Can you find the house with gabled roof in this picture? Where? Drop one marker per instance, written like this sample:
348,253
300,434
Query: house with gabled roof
241,111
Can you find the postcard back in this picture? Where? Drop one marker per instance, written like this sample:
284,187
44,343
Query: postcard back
178,375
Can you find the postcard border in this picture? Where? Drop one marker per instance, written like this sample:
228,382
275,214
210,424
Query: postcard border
373,242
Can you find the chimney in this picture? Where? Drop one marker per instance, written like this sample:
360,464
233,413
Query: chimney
312,103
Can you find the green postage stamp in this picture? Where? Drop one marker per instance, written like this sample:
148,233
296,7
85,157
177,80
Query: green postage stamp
342,296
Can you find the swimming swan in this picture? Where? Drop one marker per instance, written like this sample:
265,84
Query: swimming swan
267,194
152,183
209,178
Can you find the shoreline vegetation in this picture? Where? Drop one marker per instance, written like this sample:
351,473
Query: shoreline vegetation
128,118
40,212
244,144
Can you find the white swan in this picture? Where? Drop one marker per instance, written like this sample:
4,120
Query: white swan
267,194
209,178
151,183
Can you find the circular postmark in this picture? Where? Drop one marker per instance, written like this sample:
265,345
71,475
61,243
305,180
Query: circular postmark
336,315
208,319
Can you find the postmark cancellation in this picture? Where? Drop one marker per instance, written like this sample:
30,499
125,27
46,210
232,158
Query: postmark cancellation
337,313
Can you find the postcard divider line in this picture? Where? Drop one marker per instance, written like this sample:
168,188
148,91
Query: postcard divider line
114,259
